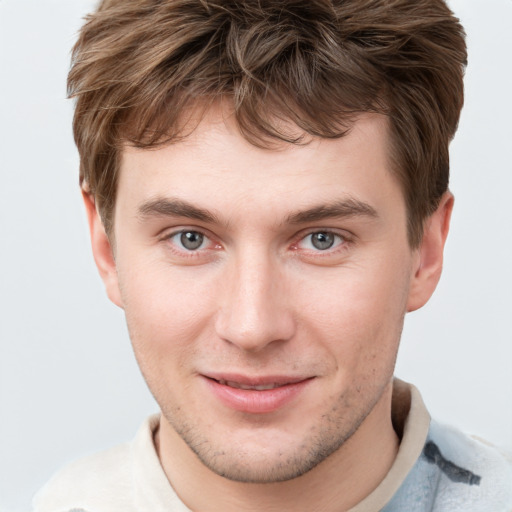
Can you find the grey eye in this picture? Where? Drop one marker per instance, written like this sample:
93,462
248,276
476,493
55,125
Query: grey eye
191,240
322,240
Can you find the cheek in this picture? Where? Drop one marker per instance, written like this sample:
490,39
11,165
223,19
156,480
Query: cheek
166,312
359,311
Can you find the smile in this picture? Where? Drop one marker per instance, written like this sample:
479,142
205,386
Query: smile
256,396
238,385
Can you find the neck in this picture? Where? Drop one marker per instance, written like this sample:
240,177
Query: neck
337,484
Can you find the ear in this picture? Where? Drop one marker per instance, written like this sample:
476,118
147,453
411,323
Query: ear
102,250
429,261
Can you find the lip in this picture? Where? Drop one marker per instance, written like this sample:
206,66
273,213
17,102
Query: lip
275,391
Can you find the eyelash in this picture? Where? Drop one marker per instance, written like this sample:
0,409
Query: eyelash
183,251
344,241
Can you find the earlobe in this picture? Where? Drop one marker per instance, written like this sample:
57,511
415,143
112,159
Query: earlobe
429,260
102,250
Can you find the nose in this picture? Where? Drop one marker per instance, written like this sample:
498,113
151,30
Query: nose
255,308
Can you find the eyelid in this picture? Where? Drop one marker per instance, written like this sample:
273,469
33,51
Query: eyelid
168,234
343,233
346,236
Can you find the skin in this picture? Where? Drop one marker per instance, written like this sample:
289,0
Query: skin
259,299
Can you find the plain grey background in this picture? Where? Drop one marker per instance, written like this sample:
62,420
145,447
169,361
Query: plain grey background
68,381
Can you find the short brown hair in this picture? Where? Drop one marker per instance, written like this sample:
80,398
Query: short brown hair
138,65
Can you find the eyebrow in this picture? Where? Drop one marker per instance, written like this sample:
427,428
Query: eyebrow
340,209
174,208
170,207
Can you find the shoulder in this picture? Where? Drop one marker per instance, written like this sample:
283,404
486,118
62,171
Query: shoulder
470,470
88,483
451,471
106,481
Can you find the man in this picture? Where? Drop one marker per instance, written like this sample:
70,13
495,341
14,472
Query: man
266,185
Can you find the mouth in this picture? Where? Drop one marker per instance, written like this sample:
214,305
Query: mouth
256,395
255,383
254,387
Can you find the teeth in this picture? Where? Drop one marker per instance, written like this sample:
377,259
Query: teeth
237,385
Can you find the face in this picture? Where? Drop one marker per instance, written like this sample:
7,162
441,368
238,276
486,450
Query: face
264,290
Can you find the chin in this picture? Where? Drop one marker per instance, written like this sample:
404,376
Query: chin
277,455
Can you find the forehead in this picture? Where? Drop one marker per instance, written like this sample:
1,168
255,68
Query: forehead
216,167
